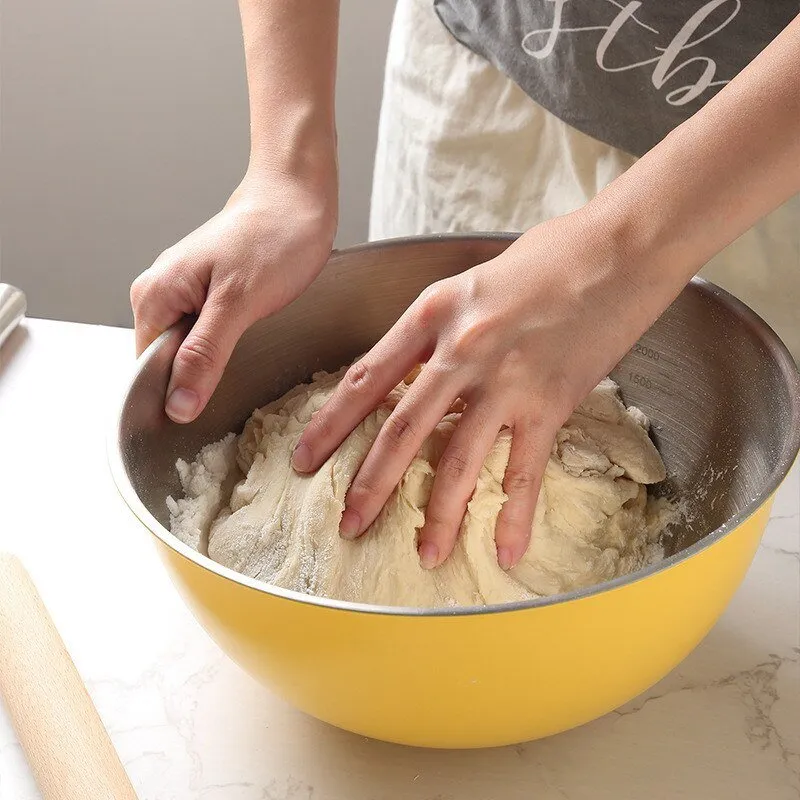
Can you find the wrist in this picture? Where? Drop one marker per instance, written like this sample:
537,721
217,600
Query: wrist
604,270
298,159
310,203
300,142
642,242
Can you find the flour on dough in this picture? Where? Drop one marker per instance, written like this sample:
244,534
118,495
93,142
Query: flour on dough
246,508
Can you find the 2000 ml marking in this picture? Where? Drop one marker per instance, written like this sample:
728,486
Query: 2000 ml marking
645,381
647,352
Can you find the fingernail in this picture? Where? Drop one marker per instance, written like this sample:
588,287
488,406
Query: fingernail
428,555
505,558
301,457
182,405
350,526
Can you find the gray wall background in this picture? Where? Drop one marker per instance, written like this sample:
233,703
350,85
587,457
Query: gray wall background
123,126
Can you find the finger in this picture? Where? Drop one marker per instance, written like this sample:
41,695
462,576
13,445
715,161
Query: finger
201,359
530,449
456,476
153,312
160,297
362,388
399,440
411,340
147,333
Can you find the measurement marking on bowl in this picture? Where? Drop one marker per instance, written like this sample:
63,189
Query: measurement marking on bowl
655,360
648,383
647,352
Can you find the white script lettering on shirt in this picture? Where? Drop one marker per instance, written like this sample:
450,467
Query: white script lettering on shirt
665,67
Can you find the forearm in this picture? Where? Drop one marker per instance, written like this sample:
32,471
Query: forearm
713,177
290,53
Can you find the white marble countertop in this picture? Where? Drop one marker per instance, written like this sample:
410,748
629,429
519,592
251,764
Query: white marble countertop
190,725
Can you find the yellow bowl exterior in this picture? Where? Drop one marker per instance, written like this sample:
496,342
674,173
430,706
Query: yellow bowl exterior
475,680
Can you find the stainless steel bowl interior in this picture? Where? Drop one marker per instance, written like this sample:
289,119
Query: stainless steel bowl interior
722,391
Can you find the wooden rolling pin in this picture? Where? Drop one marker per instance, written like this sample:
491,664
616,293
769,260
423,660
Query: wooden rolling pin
57,725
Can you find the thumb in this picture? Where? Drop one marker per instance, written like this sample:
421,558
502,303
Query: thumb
201,359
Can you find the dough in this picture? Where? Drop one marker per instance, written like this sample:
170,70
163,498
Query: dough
593,520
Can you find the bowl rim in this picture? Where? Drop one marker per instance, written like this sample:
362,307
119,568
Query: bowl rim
764,332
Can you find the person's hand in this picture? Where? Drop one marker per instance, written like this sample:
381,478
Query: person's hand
256,255
521,339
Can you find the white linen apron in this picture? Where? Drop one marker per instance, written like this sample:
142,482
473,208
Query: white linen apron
462,148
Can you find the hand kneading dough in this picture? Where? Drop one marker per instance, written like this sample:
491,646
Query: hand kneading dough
593,520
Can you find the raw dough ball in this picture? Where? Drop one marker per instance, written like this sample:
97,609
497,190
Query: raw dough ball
593,519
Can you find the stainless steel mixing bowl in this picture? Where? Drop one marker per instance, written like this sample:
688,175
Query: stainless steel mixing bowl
723,395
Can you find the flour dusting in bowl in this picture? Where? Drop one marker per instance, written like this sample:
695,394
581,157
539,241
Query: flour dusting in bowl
246,508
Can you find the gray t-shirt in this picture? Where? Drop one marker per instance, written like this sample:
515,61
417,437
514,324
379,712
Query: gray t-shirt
626,73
